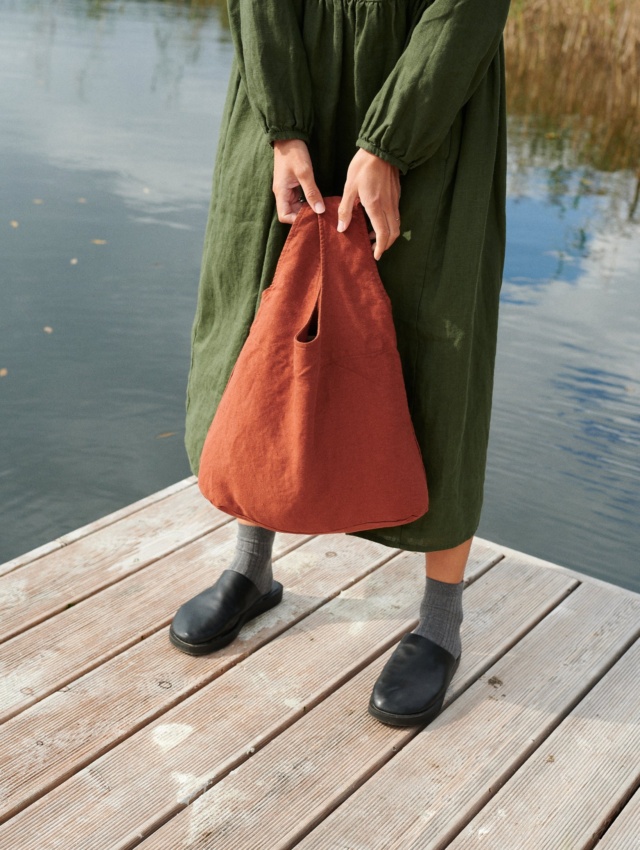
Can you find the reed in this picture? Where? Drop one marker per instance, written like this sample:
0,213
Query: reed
573,68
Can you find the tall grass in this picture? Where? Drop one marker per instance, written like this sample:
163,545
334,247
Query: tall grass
573,67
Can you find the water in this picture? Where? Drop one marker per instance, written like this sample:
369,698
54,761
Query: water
110,116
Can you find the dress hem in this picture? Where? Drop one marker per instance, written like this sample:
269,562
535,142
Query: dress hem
408,545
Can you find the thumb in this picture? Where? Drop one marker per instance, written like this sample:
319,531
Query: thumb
311,192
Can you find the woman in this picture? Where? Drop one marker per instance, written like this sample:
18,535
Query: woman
367,99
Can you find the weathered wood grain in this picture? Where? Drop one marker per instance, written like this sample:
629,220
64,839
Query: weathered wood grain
53,583
624,831
53,653
569,789
58,736
208,734
444,775
90,528
215,729
580,576
114,739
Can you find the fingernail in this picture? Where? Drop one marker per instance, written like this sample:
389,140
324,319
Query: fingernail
341,225
319,208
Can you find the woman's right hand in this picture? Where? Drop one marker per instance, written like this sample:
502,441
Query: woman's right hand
293,173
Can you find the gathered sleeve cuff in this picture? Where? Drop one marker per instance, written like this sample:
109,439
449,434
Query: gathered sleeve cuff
273,65
447,54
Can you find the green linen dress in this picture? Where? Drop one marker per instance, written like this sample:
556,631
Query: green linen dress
422,85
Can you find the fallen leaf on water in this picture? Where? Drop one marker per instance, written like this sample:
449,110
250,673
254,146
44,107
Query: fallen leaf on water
3,373
99,241
166,434
15,224
82,200
38,201
47,329
74,261
146,190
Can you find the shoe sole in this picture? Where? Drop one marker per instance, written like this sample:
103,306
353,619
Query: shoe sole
421,718
260,606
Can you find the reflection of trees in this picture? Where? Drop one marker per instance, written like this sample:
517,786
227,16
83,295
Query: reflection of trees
571,181
195,9
179,28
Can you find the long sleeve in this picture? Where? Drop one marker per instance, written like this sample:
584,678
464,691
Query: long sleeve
448,53
273,65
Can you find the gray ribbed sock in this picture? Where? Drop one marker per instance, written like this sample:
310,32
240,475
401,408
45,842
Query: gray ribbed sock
253,555
441,614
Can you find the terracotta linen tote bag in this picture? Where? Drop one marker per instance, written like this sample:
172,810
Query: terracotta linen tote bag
312,434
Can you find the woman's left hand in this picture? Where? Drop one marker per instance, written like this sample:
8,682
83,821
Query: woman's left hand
377,183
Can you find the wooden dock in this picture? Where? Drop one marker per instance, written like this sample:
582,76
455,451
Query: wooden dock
112,738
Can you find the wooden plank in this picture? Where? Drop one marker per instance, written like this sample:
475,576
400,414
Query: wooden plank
624,831
271,800
221,726
443,775
90,528
53,653
571,787
55,582
582,577
273,683
64,732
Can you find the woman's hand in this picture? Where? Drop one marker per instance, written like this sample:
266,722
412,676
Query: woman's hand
292,172
377,183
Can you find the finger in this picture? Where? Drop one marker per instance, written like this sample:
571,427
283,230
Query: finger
311,191
379,224
345,209
393,221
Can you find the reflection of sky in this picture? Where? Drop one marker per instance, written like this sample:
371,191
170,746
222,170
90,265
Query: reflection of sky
559,215
133,94
123,109
533,223
564,473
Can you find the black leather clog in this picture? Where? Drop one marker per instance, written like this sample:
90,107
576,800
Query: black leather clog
214,617
411,687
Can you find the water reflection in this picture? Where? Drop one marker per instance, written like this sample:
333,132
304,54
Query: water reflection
111,122
103,81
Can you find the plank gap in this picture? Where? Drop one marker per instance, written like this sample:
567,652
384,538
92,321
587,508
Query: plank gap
622,830
617,810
